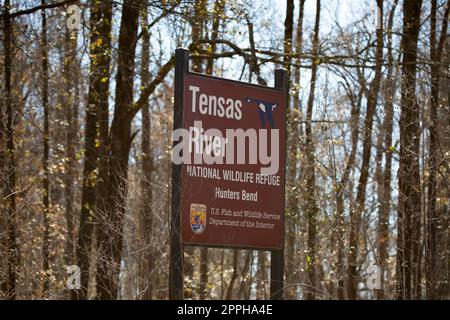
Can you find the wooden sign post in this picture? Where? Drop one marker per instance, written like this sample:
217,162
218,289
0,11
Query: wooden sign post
228,171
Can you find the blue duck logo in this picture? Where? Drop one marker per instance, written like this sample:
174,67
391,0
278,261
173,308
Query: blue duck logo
264,109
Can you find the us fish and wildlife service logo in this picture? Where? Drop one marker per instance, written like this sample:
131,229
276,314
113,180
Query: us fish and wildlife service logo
198,218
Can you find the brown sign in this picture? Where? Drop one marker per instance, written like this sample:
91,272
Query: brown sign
233,163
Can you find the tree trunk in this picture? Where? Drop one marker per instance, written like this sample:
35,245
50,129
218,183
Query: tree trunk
96,109
433,150
409,172
71,77
287,44
147,165
244,286
203,273
8,197
385,194
102,200
310,172
261,273
45,165
234,275
219,7
355,214
292,213
253,63
197,24
110,232
340,188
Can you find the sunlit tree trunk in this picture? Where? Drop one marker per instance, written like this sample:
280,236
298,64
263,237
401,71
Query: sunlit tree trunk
96,110
293,159
198,23
311,207
103,63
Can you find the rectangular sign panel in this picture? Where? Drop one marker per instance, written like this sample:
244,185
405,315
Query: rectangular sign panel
232,150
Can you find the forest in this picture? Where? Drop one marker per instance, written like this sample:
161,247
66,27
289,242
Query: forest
86,121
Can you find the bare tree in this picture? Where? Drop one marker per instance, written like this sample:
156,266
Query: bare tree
409,172
355,214
386,174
